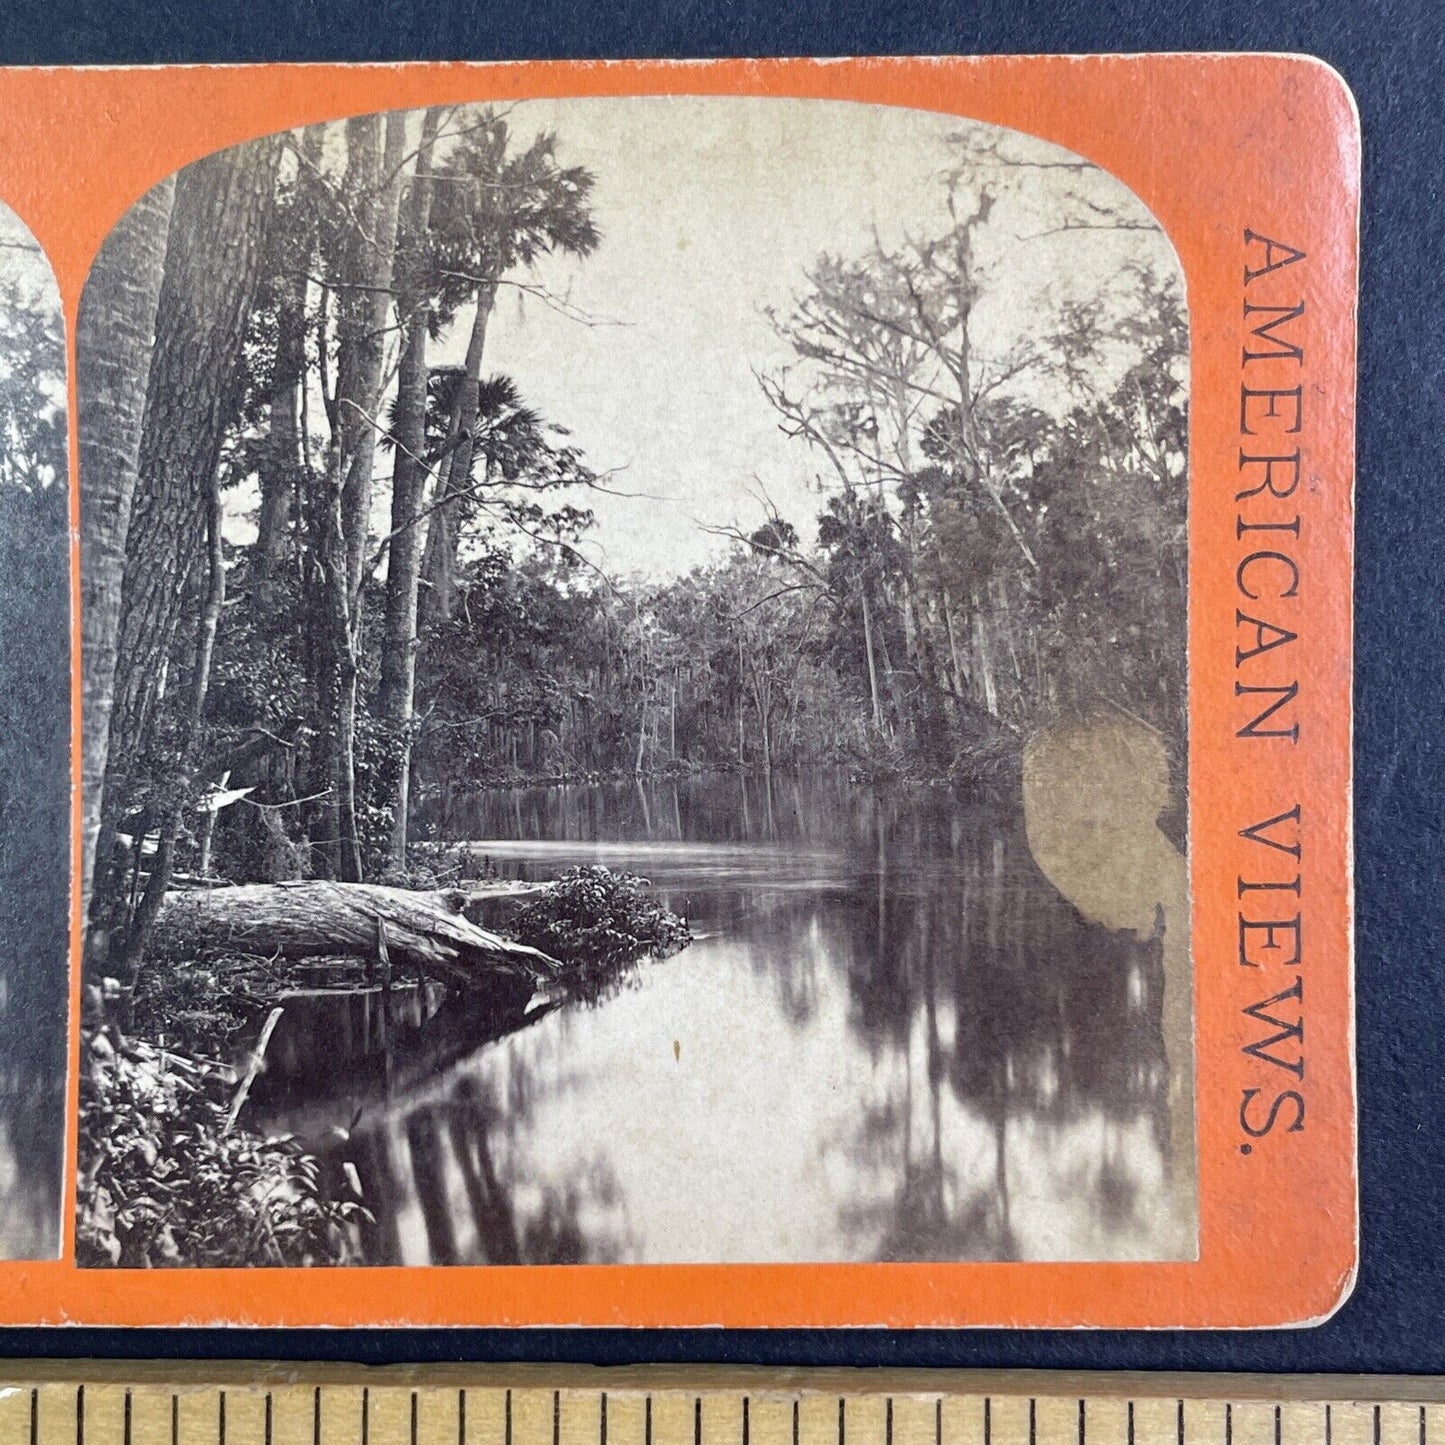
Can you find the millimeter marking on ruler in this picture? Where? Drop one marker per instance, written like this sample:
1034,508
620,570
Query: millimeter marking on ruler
643,1407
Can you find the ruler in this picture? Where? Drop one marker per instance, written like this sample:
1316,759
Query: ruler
208,1404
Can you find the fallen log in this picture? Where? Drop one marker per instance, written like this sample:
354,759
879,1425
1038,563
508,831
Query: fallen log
315,918
489,902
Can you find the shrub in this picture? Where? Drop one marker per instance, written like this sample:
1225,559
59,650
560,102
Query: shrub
196,1006
598,921
160,1184
879,760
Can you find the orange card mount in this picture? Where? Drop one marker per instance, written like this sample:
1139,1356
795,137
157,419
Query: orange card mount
699,694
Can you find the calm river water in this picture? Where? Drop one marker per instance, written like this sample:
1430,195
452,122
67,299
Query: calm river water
891,1039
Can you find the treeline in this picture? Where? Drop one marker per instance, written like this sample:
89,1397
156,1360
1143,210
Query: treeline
293,287
1001,537
1004,537
1000,533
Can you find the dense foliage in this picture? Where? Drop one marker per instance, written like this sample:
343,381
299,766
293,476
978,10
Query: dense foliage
596,921
161,1182
999,535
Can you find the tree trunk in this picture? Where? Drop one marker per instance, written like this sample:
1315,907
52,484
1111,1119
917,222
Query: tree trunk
872,665
179,789
330,624
765,708
366,311
983,660
281,469
315,919
443,530
113,340
408,496
341,520
222,206
286,468
959,680
641,739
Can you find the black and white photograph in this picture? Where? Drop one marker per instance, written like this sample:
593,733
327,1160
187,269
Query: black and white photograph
634,684
35,659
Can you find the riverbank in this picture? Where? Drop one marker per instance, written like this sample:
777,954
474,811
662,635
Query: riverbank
556,777
870,964
171,1174
991,767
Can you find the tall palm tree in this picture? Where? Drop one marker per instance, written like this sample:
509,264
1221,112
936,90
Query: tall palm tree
501,212
489,210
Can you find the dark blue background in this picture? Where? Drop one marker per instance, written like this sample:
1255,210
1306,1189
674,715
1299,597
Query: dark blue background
1390,52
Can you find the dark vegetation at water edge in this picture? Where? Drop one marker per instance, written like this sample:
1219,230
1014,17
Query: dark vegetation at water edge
332,574
599,921
171,1172
164,1179
327,573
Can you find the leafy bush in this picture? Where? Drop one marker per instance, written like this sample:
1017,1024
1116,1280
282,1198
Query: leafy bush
597,921
160,1185
879,759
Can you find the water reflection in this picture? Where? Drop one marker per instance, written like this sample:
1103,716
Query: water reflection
892,1039
1094,792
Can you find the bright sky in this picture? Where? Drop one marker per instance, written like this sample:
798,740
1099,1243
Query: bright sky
711,209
